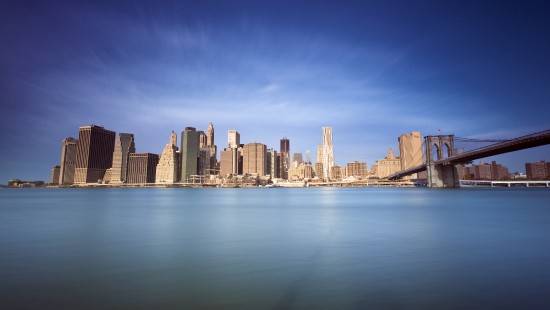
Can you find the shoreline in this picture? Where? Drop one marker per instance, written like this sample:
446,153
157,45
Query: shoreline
463,184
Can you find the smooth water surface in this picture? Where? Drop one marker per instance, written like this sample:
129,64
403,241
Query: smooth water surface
317,248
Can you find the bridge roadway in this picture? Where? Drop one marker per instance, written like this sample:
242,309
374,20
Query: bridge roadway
516,144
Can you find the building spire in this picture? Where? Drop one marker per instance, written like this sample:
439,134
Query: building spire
210,135
173,138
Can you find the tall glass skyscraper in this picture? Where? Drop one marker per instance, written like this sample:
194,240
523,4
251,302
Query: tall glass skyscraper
189,153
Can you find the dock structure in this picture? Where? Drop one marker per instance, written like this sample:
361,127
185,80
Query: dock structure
489,183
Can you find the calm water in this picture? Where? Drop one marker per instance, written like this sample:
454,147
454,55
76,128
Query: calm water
274,248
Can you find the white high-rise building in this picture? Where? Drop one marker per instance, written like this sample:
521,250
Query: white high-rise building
233,139
328,154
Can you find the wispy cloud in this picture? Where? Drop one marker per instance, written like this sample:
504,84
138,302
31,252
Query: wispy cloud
270,88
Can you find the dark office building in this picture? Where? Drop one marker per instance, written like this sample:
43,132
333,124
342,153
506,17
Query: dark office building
285,145
189,153
94,153
285,158
142,168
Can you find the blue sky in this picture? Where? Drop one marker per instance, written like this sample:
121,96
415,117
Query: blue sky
270,69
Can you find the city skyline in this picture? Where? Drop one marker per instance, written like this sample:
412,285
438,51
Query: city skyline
370,71
233,143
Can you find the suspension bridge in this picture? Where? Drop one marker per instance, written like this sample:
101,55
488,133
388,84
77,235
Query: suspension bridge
441,157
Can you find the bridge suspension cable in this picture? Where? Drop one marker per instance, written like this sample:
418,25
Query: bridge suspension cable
421,151
480,140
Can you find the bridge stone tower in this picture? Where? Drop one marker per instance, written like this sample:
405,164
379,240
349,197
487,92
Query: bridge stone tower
440,174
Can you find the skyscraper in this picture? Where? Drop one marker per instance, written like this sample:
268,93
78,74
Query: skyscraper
328,155
189,153
68,161
231,161
285,145
212,147
226,162
272,164
142,168
285,157
204,161
202,139
54,178
410,150
124,146
210,135
231,156
298,158
233,139
94,153
168,164
320,153
255,158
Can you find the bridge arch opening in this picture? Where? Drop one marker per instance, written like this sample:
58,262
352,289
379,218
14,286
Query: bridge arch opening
435,152
447,150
